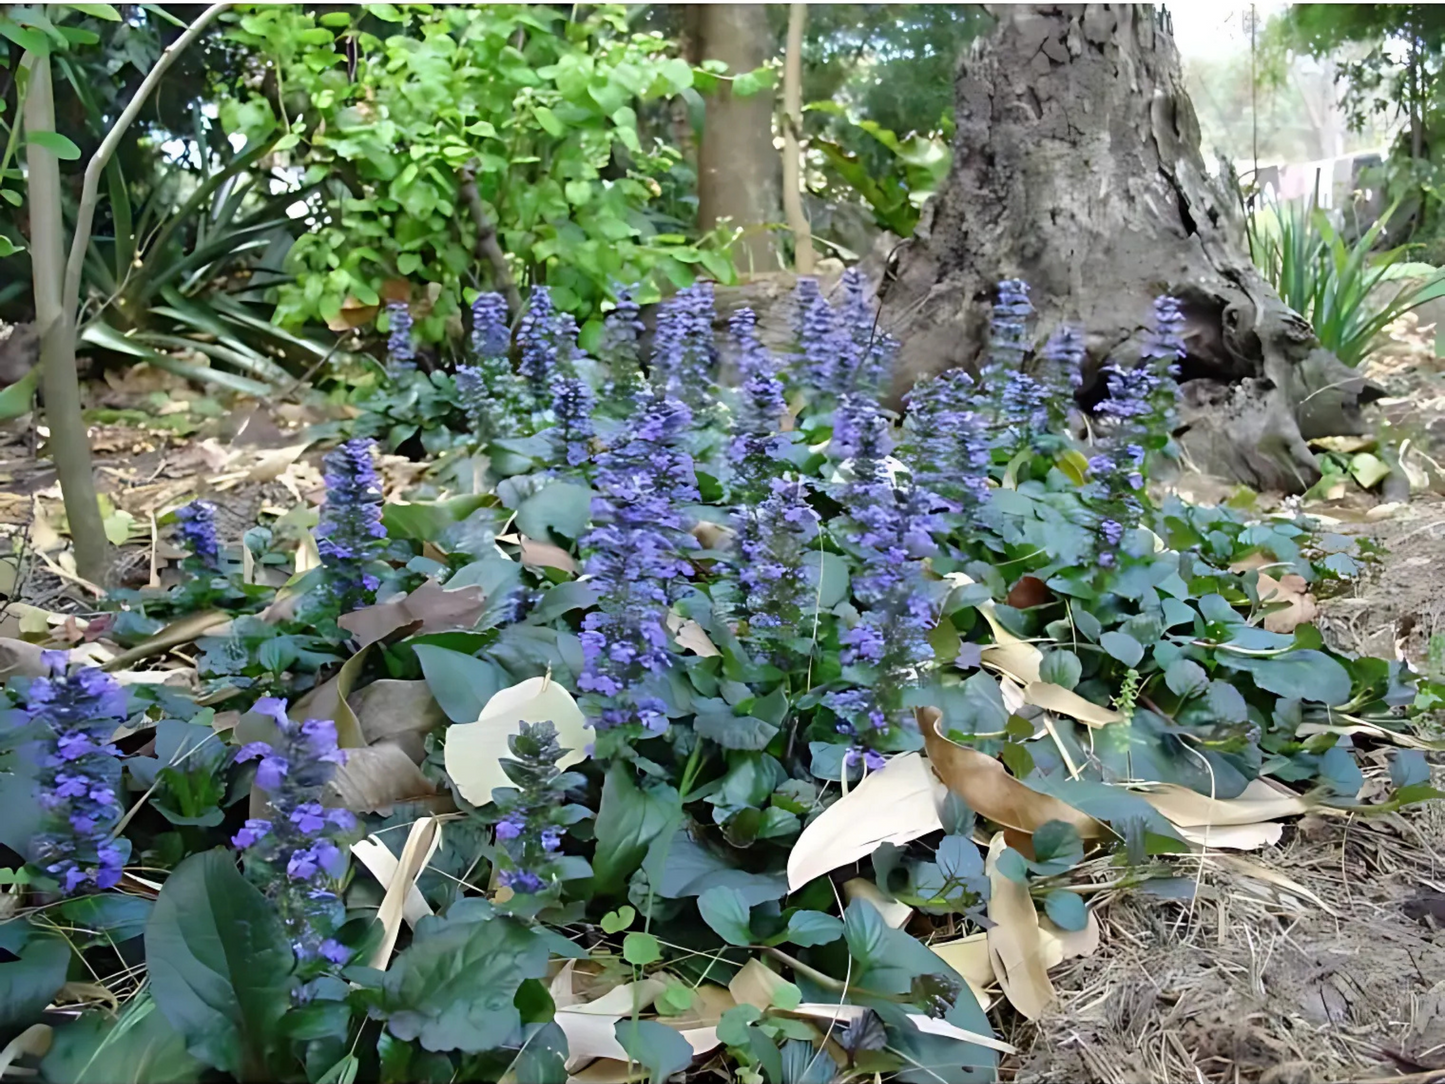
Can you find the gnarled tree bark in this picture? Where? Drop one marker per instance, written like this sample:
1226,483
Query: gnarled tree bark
1077,168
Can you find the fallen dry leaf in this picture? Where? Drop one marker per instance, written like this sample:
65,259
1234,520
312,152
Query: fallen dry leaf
183,630
1014,945
273,464
985,784
421,843
20,659
1233,837
1064,701
756,984
401,711
375,778
1060,945
475,751
969,957
1258,802
352,315
546,555
895,913
328,701
1015,657
35,1041
895,804
844,1014
382,864
1292,589
690,636
430,608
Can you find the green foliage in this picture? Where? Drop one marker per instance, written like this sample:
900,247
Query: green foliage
1334,284
389,107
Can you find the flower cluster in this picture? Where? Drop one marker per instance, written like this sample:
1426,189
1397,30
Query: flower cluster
842,351
1064,374
489,392
1139,409
868,353
349,536
400,351
534,816
297,854
684,356
622,349
635,560
756,444
946,444
537,337
572,414
889,534
79,774
198,531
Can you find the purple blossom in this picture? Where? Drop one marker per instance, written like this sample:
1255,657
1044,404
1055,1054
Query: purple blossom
297,854
572,412
946,444
622,348
537,337
350,536
79,775
198,531
491,333
334,951
683,354
400,352
635,558
510,828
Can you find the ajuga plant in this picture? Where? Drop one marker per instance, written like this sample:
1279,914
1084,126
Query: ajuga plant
400,350
488,390
297,852
198,533
533,815
350,536
736,618
76,713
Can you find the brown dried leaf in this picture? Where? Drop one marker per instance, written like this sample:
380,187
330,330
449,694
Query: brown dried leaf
273,464
1014,944
1258,802
1030,591
756,984
895,804
430,608
183,630
1063,701
20,659
375,778
989,790
421,843
353,314
328,701
400,711
895,913
546,555
1292,589
691,636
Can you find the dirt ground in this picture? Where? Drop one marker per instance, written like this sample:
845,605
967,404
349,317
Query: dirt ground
1319,960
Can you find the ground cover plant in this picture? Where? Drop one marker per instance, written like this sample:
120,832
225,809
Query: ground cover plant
692,722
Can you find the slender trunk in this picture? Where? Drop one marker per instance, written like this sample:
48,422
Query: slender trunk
69,444
1417,125
487,245
792,134
737,165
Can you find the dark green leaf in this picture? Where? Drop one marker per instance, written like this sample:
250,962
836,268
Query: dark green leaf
1061,667
1066,910
564,507
28,984
1300,675
628,820
454,988
220,964
727,912
56,143
1408,767
661,1050
866,933
831,583
138,1047
461,684
1123,647
810,928
1185,678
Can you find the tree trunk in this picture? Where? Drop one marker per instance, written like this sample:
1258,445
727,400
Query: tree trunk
793,165
1077,168
738,169
69,443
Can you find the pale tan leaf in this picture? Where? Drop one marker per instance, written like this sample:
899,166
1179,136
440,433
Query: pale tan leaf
623,1000
401,711
1062,701
969,957
34,1040
1189,809
1233,837
985,784
421,843
1014,944
475,751
560,987
1405,741
1292,589
589,1035
1060,945
430,608
1345,445
20,659
755,984
375,778
690,636
1254,870
710,1002
272,464
895,804
378,859
183,630
894,913
930,1025
546,555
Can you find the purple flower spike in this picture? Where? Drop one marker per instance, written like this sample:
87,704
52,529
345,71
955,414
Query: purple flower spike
350,535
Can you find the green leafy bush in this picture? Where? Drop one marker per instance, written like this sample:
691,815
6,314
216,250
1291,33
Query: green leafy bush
390,108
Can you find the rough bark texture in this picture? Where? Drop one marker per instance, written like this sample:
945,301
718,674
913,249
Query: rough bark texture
1077,168
738,170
